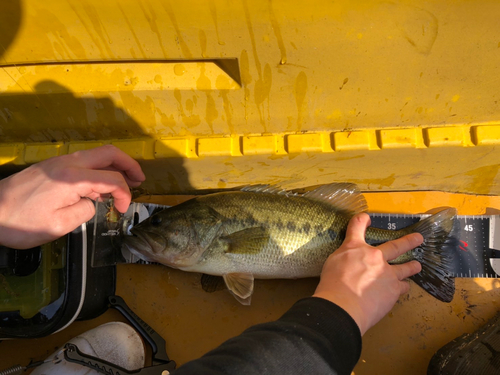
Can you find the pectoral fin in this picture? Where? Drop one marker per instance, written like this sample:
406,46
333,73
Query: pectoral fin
240,285
247,241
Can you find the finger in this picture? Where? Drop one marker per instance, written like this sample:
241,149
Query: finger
97,196
130,182
405,270
70,217
393,249
110,156
356,229
92,183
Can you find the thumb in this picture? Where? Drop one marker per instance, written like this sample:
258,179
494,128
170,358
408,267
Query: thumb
70,217
355,233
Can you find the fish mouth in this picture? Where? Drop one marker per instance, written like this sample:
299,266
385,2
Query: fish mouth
145,245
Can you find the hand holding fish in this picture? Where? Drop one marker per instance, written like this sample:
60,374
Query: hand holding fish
49,199
358,277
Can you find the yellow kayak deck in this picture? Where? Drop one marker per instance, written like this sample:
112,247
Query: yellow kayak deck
215,94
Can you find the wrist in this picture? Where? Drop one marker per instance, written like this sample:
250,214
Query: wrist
348,304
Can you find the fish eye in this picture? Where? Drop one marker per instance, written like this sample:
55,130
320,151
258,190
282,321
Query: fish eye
156,220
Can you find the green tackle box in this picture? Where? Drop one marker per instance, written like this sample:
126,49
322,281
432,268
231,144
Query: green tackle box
45,289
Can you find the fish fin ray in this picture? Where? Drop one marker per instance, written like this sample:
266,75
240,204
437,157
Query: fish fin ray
211,283
247,241
437,254
240,284
244,301
268,189
345,197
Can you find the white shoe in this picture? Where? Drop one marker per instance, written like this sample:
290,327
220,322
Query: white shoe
114,342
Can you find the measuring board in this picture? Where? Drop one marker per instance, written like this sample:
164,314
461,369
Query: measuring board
478,253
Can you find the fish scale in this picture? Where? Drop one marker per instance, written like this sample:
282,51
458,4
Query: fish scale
280,258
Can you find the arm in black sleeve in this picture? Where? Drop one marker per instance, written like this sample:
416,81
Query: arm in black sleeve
314,337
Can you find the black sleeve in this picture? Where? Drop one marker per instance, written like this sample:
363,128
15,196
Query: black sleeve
314,337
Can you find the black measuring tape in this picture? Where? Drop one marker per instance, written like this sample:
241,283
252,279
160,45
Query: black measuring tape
478,254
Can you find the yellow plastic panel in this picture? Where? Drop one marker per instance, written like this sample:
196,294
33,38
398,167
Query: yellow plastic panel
352,140
307,159
399,138
111,77
136,149
38,152
11,154
298,143
172,147
293,76
80,146
215,146
259,145
437,137
383,84
486,135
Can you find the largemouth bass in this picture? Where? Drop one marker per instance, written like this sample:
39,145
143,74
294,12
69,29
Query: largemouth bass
264,232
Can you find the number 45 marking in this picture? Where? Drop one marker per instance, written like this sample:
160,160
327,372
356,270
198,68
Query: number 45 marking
469,228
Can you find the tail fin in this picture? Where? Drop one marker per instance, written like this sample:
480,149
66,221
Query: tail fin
436,254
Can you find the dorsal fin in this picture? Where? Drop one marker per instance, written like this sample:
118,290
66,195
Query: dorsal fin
267,189
345,197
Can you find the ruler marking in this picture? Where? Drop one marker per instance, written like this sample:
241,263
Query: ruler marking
476,234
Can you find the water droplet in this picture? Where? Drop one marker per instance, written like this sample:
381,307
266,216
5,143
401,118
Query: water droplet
179,69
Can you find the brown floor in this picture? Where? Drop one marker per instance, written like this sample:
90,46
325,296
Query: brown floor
193,321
